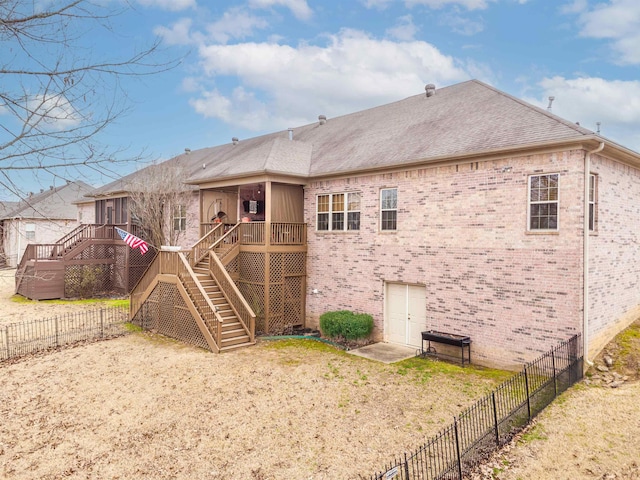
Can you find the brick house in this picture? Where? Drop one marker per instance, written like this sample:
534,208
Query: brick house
43,218
462,210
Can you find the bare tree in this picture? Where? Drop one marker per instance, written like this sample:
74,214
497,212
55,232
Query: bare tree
56,93
159,200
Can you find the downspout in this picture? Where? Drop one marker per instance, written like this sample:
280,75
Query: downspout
585,254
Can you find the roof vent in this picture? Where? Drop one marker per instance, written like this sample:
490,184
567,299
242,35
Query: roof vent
187,151
322,119
551,99
598,126
50,187
234,140
430,89
42,189
290,133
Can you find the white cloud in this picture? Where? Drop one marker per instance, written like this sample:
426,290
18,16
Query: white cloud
614,103
404,29
462,25
235,23
378,4
301,82
468,4
299,8
178,34
53,112
616,20
172,5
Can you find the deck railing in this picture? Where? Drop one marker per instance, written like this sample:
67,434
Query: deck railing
235,299
201,300
288,233
136,301
176,264
202,246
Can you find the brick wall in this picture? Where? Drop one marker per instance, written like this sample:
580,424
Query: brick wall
462,233
614,265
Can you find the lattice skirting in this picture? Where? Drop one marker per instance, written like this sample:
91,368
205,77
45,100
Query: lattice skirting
277,301
165,312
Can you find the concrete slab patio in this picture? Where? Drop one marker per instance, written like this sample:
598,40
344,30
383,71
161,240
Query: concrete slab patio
384,352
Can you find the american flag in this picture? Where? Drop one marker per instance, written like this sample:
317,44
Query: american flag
133,241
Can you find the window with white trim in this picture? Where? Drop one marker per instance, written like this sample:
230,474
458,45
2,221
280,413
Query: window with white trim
593,195
30,231
179,218
338,211
543,202
388,209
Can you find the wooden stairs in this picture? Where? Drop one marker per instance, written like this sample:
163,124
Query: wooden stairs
234,335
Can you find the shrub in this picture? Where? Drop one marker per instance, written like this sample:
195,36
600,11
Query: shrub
346,324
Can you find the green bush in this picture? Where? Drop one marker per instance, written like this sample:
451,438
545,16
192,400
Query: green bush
346,324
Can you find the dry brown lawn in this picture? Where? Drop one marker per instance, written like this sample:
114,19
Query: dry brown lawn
590,432
146,407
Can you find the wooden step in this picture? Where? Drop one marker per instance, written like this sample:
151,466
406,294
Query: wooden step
227,342
236,346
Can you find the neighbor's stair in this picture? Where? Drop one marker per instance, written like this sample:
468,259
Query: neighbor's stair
234,334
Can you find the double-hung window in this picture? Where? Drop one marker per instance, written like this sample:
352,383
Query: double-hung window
543,202
388,209
179,218
30,231
338,211
593,191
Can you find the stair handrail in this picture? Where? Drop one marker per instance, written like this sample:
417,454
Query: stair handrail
22,266
201,247
211,316
234,297
231,237
72,233
152,271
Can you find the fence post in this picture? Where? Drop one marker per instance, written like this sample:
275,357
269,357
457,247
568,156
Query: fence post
495,417
555,383
56,323
406,466
6,334
526,382
101,323
455,429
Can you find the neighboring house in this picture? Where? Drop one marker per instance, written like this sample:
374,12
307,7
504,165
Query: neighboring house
42,218
176,215
4,208
464,210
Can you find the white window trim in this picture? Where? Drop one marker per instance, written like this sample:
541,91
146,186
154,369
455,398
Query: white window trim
593,202
529,203
388,210
175,217
345,212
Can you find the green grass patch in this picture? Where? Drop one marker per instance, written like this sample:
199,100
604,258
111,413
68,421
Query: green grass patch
425,368
107,302
627,338
306,344
535,433
130,327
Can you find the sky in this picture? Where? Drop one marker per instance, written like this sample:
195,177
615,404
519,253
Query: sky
257,66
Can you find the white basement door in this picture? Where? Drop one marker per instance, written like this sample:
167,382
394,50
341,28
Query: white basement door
406,315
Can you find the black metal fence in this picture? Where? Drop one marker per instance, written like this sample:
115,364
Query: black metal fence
23,338
492,421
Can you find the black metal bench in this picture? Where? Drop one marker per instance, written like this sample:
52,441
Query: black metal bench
434,336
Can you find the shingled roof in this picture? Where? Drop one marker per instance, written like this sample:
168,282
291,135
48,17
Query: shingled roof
459,120
53,204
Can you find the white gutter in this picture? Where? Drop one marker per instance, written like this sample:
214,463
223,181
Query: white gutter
585,254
